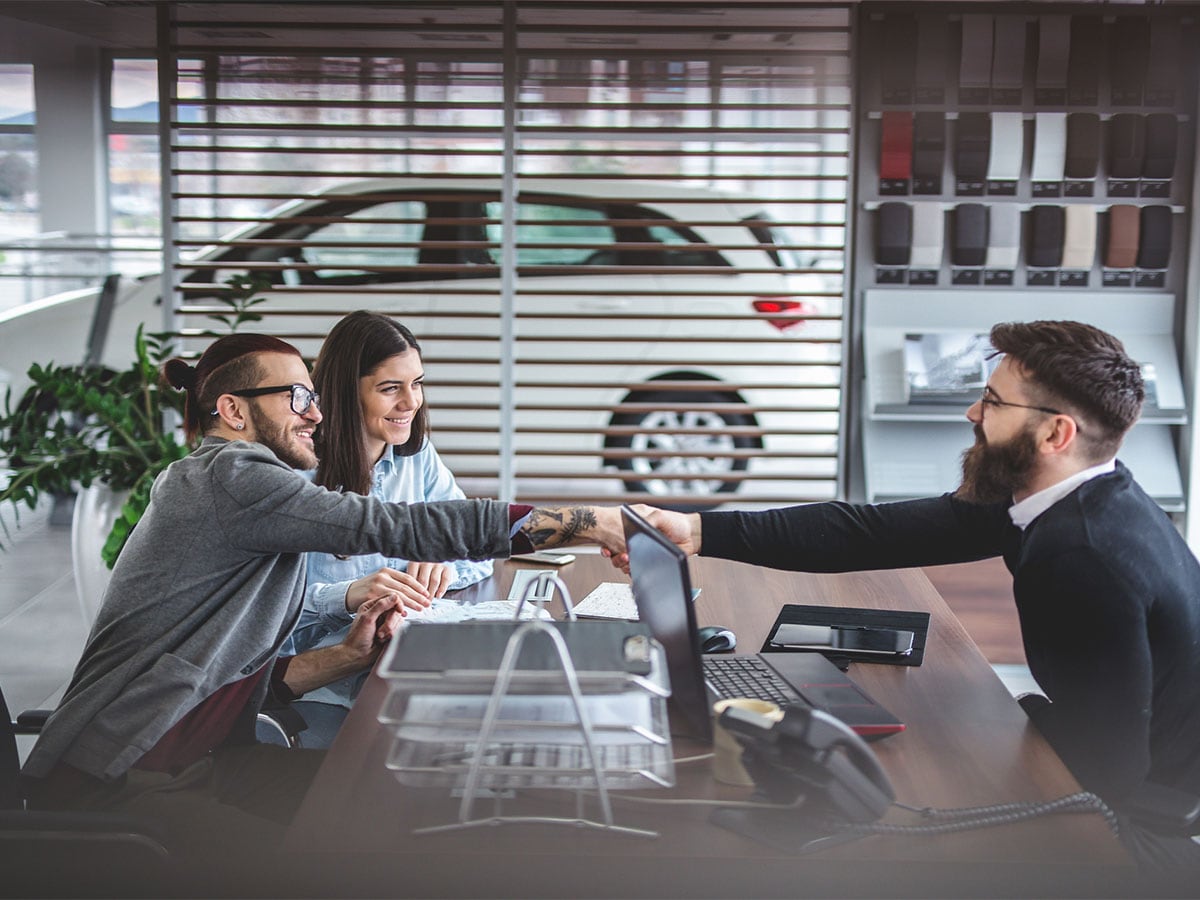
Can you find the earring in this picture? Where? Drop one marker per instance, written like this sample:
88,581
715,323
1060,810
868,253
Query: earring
239,426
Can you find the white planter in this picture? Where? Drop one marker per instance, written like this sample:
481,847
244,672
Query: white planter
96,508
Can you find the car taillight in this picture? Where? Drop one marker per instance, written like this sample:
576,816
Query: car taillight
775,307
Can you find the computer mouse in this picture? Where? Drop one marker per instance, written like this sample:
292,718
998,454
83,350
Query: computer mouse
715,639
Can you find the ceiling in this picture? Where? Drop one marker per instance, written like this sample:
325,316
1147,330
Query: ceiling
681,24
731,25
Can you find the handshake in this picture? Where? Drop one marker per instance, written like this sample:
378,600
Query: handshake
551,528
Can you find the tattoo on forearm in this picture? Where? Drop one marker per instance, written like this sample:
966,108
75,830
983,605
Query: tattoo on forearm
551,527
582,519
542,525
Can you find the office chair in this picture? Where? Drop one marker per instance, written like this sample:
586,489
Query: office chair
64,853
279,725
1166,810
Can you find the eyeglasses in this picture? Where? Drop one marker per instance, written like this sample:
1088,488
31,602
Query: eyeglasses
302,398
989,398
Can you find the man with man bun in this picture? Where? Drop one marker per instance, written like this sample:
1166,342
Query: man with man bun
158,718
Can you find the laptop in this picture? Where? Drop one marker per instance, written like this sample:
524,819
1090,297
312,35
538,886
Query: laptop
662,590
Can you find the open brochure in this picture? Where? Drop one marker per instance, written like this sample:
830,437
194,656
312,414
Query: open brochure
947,367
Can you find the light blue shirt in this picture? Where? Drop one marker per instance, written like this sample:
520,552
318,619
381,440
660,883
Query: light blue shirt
324,620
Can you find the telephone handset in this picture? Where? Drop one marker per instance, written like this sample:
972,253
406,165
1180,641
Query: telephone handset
813,753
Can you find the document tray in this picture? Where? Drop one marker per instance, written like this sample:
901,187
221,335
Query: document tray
441,679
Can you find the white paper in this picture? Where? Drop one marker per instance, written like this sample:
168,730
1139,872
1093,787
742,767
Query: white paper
445,610
535,719
609,600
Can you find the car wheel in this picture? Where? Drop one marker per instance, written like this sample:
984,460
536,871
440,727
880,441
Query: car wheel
674,429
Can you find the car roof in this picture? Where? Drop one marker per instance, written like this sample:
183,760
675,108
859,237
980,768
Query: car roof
652,194
581,187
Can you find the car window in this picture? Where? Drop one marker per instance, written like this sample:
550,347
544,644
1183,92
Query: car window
582,243
550,223
346,244
770,236
682,248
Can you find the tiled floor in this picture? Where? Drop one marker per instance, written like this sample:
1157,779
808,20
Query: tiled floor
42,629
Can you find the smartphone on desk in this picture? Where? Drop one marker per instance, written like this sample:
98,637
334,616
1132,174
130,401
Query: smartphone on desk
553,557
858,639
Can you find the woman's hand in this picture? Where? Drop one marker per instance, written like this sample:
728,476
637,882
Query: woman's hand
411,591
436,577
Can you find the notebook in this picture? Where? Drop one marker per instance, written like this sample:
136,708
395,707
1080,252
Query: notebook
662,591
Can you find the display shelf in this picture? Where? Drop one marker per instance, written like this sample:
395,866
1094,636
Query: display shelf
1144,322
906,460
1004,209
910,450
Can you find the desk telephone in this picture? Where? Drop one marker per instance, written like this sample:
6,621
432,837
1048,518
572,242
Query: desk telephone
812,753
812,757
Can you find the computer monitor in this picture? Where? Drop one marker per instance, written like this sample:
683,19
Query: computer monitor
662,588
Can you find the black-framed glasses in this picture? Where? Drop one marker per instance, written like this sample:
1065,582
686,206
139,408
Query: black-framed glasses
989,398
302,397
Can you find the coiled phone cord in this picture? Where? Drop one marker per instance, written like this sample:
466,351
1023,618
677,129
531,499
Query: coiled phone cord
968,817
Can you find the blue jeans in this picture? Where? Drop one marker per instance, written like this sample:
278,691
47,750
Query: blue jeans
323,720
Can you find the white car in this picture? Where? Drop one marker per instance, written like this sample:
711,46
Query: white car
683,359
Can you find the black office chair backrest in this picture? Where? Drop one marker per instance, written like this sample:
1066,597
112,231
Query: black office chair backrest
10,763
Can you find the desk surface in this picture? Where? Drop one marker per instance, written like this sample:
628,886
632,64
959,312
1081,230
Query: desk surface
967,743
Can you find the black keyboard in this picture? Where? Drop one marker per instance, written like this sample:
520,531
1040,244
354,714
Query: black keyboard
746,676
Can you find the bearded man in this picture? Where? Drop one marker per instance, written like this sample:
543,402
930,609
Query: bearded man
158,719
1107,591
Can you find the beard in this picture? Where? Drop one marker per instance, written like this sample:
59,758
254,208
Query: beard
992,473
282,441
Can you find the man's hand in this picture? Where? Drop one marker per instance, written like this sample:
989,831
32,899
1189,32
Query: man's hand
412,591
377,622
436,578
682,529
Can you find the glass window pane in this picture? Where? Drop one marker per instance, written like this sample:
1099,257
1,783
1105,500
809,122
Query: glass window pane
133,179
134,90
16,94
18,217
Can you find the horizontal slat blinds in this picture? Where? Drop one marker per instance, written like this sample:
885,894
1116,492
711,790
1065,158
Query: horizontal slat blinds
618,230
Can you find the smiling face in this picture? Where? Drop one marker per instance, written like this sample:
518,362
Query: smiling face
272,421
1004,457
390,397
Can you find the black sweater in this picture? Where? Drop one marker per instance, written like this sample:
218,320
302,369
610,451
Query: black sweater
1107,591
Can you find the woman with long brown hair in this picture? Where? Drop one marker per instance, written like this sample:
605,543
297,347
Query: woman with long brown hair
374,440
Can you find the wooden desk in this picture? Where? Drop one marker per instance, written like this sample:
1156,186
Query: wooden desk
967,744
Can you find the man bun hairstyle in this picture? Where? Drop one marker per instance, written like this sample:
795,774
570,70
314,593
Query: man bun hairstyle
229,364
1081,370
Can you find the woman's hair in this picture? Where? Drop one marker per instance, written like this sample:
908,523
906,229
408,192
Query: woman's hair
1081,370
229,364
356,347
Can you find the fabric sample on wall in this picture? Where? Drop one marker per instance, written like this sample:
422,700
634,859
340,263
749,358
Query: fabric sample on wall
1049,146
1004,236
1079,237
1124,228
1007,146
928,228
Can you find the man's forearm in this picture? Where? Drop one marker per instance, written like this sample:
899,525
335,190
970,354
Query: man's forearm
312,669
563,526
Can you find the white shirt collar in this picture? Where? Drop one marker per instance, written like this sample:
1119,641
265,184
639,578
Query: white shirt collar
1023,513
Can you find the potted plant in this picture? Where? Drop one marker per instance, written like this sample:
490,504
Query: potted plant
79,426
